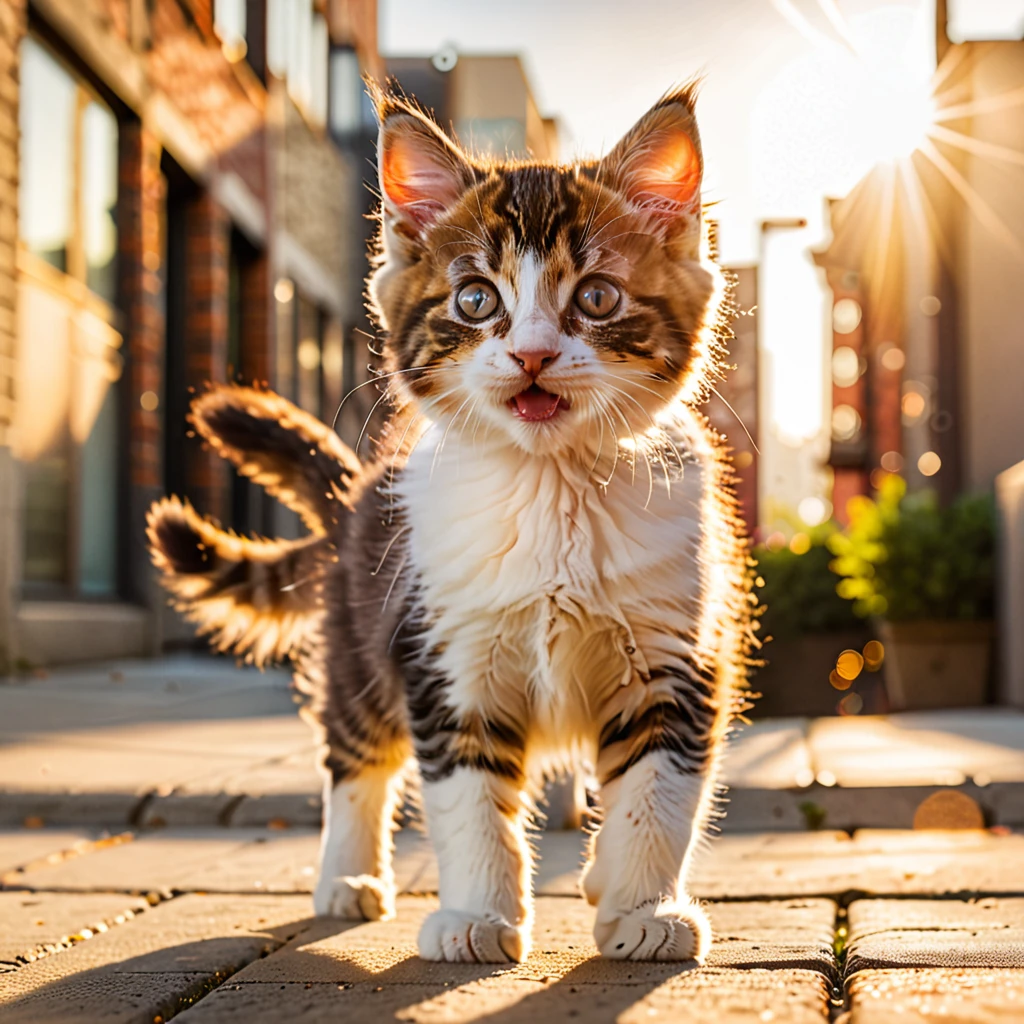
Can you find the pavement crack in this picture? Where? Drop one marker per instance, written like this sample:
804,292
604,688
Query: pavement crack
840,947
46,949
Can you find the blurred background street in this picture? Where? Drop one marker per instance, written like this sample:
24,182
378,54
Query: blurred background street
186,189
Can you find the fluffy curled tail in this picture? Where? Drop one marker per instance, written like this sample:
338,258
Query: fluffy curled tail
289,453
257,598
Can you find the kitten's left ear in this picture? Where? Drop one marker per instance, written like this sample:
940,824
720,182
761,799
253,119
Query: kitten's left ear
422,172
658,163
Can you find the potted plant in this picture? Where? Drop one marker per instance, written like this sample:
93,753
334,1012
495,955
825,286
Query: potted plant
805,626
925,573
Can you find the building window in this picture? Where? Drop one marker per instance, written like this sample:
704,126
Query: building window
346,87
229,24
69,359
985,20
310,361
297,51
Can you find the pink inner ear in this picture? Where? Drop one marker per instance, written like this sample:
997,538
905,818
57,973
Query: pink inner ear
669,168
416,181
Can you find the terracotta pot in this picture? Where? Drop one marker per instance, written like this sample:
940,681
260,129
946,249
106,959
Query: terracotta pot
794,678
936,664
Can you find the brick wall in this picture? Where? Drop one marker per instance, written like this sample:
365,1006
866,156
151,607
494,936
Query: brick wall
140,249
206,339
257,302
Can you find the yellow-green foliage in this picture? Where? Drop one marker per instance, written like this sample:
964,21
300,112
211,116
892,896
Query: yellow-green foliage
906,558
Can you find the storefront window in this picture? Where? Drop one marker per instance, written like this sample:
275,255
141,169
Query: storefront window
69,360
49,99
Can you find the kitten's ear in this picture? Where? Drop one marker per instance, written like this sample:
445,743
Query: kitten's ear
422,172
658,163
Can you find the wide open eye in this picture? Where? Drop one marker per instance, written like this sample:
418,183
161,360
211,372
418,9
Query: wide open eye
598,298
477,301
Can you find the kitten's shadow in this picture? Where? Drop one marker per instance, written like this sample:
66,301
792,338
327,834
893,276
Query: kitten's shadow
597,991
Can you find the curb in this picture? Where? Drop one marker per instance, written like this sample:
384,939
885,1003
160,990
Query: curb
747,810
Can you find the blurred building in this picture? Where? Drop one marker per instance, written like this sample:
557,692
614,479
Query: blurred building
925,265
181,200
487,101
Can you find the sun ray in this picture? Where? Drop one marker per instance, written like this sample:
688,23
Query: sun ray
985,105
954,57
883,240
976,146
922,213
985,214
799,21
838,22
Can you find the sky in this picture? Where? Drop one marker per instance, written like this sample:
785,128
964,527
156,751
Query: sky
597,65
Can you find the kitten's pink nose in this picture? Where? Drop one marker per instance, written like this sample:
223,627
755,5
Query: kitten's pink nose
535,360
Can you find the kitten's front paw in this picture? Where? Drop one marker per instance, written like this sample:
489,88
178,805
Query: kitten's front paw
462,937
356,897
655,931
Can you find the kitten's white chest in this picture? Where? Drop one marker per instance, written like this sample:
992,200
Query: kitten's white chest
534,575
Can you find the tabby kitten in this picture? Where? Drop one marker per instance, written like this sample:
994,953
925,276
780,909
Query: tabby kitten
542,561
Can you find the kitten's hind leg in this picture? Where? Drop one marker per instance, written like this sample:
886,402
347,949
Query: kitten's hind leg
356,878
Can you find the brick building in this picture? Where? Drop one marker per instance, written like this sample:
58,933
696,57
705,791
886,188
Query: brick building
486,101
181,200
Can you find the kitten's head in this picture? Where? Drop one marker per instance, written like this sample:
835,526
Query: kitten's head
545,302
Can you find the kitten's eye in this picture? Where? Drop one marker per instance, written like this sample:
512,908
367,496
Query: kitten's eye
477,301
598,298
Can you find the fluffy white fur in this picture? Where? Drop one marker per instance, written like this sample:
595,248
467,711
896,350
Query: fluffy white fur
553,590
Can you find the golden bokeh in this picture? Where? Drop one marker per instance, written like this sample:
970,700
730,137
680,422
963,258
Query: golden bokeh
851,704
838,681
800,544
948,809
874,655
849,665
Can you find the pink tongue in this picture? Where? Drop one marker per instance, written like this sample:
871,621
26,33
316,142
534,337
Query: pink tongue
535,404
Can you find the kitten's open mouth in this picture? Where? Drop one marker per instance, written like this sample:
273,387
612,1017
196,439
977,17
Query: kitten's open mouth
535,404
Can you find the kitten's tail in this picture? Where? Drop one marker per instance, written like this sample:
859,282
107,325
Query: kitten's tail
257,598
289,453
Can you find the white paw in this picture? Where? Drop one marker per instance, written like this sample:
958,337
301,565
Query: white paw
655,931
459,936
356,897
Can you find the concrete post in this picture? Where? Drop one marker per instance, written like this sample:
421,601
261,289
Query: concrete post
1010,566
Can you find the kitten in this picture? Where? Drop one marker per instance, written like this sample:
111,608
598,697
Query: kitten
542,561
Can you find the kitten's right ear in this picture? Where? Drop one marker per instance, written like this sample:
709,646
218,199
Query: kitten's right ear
422,172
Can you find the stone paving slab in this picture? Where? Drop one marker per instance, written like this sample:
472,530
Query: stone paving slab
953,996
258,861
153,964
25,846
770,754
767,935
706,996
921,748
770,961
732,867
34,924
897,863
935,933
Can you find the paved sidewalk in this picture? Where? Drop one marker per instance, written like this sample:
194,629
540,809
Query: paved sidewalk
877,927
194,741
